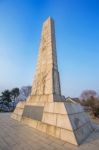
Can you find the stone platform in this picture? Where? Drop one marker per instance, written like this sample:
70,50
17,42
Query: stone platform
63,120
17,136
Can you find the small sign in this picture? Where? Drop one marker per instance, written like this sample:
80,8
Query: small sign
33,112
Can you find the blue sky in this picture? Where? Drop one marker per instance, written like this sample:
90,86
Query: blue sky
77,37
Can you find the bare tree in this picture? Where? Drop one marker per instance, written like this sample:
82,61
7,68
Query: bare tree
90,99
87,94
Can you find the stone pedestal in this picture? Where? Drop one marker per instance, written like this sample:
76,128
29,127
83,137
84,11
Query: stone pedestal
64,120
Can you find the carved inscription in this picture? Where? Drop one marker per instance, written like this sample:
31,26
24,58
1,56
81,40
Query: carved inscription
33,112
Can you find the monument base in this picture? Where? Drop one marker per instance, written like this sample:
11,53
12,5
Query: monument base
64,120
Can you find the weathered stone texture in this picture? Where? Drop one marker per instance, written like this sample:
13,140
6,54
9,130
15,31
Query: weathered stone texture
46,79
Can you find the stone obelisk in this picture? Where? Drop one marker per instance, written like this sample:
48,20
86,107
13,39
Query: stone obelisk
47,76
46,81
46,109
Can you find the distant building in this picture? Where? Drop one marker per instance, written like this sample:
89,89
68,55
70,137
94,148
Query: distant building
73,100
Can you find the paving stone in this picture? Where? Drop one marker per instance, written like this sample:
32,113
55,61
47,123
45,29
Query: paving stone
17,136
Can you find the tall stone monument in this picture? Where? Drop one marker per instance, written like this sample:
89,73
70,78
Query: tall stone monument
46,109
